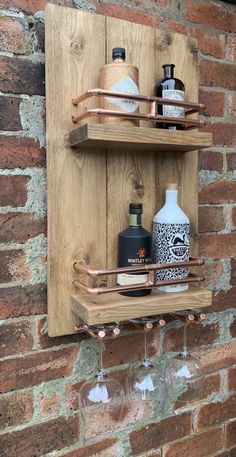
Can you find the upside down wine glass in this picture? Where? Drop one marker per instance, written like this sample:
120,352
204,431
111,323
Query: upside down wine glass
102,390
185,373
146,382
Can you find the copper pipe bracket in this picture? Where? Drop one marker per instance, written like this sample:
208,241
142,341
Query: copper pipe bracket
99,332
190,108
150,283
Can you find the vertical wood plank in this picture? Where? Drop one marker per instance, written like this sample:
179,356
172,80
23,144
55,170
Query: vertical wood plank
76,182
182,168
130,176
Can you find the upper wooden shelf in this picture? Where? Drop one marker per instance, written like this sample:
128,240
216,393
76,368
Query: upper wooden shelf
138,138
114,307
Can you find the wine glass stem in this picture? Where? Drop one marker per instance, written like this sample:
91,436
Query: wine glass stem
185,345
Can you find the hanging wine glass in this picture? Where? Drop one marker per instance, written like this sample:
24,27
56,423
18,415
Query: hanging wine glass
146,382
185,374
102,390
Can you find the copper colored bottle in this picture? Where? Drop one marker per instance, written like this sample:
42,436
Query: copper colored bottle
119,76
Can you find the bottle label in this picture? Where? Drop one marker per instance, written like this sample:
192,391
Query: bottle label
173,111
171,244
127,85
125,279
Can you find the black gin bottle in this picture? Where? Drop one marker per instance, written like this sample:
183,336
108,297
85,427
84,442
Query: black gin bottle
134,248
172,88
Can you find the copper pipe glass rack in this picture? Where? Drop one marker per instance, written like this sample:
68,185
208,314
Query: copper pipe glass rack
190,108
150,269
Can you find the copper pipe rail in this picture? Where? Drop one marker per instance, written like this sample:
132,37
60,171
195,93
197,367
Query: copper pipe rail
149,269
192,262
190,108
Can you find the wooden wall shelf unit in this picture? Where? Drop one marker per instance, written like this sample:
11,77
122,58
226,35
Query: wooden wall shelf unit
95,171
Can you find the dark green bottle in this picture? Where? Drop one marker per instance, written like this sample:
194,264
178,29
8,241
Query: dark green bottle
134,248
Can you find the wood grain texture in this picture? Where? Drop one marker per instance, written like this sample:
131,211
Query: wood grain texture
113,307
144,139
74,203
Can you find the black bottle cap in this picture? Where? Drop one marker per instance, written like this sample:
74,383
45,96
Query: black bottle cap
168,65
118,53
136,208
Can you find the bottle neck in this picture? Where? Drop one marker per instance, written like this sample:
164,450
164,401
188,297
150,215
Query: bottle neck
169,71
171,196
118,59
135,220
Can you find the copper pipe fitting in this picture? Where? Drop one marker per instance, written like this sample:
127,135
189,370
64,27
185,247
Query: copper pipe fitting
185,316
148,326
162,322
115,332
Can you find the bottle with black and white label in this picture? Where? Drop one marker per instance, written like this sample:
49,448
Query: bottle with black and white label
119,76
134,249
171,232
173,89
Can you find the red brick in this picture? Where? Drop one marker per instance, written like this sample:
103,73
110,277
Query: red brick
23,301
211,218
233,218
210,160
128,14
223,300
40,439
208,13
155,435
230,434
201,445
44,341
20,152
176,27
216,74
233,272
115,417
15,337
233,328
13,190
223,134
211,273
231,48
211,385
232,379
30,370
27,6
116,349
105,448
214,102
216,357
16,409
218,192
21,76
232,105
15,267
13,35
216,413
9,113
20,227
198,335
231,161
210,44
50,405
217,246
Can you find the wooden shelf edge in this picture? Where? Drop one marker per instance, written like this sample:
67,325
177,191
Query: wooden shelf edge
114,307
138,138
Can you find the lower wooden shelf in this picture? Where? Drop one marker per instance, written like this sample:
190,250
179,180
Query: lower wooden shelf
115,307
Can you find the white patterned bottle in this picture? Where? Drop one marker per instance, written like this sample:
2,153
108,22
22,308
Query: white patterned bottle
171,231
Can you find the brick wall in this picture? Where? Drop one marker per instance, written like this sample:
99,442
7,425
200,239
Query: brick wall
40,377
